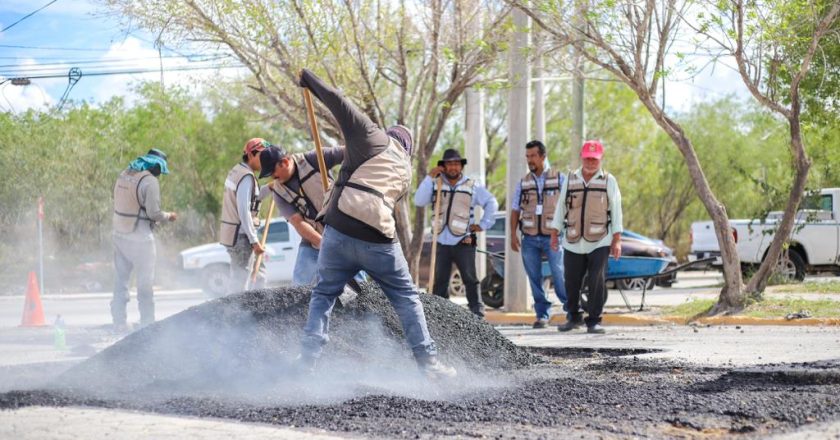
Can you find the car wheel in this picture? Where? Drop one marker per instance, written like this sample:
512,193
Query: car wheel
214,280
456,284
493,291
635,283
791,266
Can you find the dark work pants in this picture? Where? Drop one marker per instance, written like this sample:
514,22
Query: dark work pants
464,258
576,268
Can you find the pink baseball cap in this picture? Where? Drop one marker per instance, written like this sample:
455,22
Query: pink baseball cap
254,145
592,149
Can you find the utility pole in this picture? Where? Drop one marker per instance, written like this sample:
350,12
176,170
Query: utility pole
578,121
519,118
474,141
539,88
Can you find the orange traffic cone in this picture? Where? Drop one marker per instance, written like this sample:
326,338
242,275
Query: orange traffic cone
33,311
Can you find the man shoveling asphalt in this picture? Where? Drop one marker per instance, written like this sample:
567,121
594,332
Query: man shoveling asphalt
360,231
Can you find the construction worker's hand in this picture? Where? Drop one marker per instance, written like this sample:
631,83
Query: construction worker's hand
615,248
555,241
317,243
475,228
173,216
514,242
434,172
257,248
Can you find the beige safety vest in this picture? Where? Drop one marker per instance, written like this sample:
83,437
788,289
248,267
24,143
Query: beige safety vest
587,209
310,198
128,212
229,230
455,207
373,189
533,219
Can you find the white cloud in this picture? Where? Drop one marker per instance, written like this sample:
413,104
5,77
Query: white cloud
21,98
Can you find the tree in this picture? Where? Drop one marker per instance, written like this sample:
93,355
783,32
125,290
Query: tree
769,40
630,40
400,63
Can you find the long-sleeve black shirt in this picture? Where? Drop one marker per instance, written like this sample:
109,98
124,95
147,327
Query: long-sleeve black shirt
363,139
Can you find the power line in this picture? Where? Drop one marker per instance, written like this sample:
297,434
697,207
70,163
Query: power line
27,16
32,69
78,49
136,71
68,61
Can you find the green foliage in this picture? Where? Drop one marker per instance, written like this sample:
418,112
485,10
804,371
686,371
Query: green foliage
73,158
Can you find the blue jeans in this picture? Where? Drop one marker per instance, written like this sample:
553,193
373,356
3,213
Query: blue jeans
341,257
306,266
533,247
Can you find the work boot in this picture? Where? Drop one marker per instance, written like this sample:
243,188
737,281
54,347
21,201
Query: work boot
597,329
435,370
121,329
540,323
569,326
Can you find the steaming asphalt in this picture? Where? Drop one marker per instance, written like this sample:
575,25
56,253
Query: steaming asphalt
653,382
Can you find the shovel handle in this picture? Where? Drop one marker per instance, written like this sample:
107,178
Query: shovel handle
313,126
256,269
434,236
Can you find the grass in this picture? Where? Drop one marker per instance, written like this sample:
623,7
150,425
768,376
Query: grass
809,287
767,308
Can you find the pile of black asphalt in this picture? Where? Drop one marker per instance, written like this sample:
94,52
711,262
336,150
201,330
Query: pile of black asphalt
230,359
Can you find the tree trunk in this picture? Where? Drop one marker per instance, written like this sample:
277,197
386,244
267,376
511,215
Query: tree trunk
414,251
758,282
732,296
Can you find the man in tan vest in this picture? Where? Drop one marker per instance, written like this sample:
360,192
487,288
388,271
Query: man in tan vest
531,212
360,231
591,218
299,195
240,218
457,228
136,212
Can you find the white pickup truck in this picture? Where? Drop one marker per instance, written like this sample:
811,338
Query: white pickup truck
210,263
814,242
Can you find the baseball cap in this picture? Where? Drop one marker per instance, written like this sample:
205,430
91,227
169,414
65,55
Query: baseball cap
269,158
255,144
592,149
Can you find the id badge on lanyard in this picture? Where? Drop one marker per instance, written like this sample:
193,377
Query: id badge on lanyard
539,209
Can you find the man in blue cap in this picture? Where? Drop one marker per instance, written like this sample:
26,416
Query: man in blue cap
136,212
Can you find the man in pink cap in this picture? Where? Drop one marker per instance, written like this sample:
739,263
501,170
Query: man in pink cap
591,222
240,217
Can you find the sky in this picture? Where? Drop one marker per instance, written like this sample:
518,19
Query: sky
80,33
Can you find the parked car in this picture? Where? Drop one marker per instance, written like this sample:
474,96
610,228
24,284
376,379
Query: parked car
632,244
814,242
210,263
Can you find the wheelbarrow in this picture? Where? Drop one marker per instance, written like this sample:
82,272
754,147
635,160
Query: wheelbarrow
645,268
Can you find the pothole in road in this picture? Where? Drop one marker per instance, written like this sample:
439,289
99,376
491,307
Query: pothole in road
589,352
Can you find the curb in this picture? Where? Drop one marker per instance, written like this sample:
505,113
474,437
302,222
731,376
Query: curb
504,318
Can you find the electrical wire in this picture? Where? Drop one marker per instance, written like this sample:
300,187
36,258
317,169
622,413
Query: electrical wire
27,16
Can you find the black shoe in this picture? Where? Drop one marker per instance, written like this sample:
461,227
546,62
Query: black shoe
569,326
540,323
597,329
435,370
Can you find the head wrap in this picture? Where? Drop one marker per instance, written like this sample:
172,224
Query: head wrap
150,159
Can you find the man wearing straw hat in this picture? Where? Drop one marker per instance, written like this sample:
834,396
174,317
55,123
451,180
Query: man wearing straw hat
240,218
455,225
360,231
136,212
